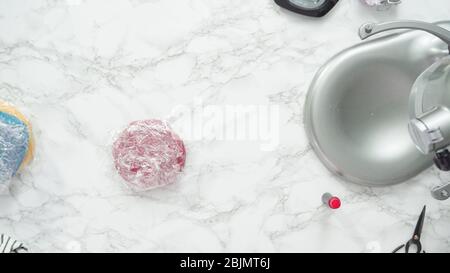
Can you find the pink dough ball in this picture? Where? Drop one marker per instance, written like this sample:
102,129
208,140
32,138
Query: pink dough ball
148,154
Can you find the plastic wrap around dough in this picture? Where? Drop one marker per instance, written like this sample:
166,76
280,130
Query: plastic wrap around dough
148,154
13,146
381,3
10,109
16,143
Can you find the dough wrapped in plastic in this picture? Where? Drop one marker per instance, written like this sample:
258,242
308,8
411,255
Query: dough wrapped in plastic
148,154
14,141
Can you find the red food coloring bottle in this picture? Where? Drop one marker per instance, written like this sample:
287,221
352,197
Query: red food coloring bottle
331,201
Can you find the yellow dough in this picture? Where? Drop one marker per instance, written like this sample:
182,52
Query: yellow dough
9,109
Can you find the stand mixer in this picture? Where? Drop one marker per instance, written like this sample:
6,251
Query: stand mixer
429,104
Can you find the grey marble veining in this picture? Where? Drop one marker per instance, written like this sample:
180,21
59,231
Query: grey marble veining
82,70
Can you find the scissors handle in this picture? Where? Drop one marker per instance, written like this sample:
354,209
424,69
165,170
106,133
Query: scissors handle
398,248
413,242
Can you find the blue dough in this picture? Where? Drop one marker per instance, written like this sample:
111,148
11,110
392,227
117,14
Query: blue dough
14,138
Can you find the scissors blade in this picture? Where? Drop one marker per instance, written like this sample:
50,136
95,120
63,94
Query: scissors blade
419,225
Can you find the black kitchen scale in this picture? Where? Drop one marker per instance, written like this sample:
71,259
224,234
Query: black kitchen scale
313,8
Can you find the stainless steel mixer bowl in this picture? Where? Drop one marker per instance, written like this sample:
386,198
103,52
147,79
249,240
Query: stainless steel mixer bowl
356,110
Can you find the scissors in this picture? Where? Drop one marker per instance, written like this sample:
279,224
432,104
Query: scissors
415,240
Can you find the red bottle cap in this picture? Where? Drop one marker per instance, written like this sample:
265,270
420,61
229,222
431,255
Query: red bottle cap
334,202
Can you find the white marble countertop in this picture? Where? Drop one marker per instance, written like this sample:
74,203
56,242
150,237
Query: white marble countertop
83,69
